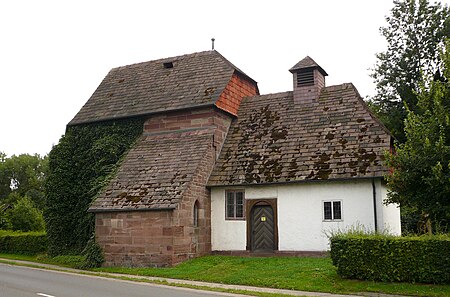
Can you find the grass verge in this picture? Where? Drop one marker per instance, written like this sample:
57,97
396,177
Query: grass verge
64,261
304,274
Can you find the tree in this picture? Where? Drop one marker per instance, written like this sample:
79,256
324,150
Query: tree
5,180
415,34
24,175
421,166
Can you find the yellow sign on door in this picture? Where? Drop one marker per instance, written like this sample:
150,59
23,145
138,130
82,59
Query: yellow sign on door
263,219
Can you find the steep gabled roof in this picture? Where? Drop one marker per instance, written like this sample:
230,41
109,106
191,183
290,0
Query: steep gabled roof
168,84
274,141
156,172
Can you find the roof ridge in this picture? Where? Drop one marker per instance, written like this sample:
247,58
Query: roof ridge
184,56
272,94
234,67
339,87
159,86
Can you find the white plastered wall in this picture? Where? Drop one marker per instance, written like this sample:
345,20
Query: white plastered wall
300,213
388,218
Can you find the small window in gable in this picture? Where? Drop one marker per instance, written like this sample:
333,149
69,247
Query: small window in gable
234,205
332,210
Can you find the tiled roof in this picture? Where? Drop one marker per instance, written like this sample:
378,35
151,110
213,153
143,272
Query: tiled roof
305,63
274,141
194,80
155,172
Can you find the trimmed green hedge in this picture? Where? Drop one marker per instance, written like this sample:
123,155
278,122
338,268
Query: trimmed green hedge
28,243
386,258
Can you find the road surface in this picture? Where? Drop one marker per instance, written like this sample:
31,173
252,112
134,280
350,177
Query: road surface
17,281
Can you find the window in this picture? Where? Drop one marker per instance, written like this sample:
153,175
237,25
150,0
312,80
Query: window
332,210
196,214
234,205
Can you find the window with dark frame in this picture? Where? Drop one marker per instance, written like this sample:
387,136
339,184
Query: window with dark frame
332,210
234,205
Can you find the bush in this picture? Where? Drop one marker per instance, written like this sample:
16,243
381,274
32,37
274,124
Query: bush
29,243
24,216
93,254
424,259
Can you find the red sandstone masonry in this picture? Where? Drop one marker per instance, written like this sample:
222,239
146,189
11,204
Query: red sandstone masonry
167,237
195,241
208,117
138,244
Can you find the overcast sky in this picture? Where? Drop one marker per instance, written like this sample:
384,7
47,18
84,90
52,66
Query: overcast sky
53,54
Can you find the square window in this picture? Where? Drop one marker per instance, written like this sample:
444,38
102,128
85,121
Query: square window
332,210
234,205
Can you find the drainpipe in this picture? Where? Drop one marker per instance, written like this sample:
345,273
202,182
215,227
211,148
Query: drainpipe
374,193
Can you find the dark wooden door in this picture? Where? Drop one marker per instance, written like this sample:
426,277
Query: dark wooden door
263,231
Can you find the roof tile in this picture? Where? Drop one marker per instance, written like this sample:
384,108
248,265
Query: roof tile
145,88
274,141
155,172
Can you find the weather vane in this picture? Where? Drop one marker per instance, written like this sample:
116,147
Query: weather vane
212,40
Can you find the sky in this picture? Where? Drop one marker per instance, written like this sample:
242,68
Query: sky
54,54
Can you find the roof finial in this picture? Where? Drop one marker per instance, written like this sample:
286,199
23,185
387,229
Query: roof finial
212,40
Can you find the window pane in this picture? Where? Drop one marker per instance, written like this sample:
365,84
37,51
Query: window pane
230,198
337,210
239,211
230,211
327,211
234,204
239,198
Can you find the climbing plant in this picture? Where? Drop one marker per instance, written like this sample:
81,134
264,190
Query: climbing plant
79,166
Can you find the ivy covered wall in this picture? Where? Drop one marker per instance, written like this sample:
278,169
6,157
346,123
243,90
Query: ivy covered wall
79,166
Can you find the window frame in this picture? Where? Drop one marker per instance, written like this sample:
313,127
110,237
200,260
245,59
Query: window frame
234,218
332,210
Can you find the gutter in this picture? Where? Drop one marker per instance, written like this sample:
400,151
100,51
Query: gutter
374,193
216,185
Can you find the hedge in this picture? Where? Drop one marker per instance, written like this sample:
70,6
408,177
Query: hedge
386,258
28,243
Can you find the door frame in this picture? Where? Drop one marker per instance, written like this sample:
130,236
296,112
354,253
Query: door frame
249,204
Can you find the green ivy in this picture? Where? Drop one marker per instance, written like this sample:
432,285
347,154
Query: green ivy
79,167
93,255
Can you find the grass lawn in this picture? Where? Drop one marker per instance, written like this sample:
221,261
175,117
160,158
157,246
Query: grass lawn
305,274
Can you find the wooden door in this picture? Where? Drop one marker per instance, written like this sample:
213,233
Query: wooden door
262,228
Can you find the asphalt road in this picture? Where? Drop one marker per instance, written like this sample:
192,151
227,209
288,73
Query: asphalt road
17,281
